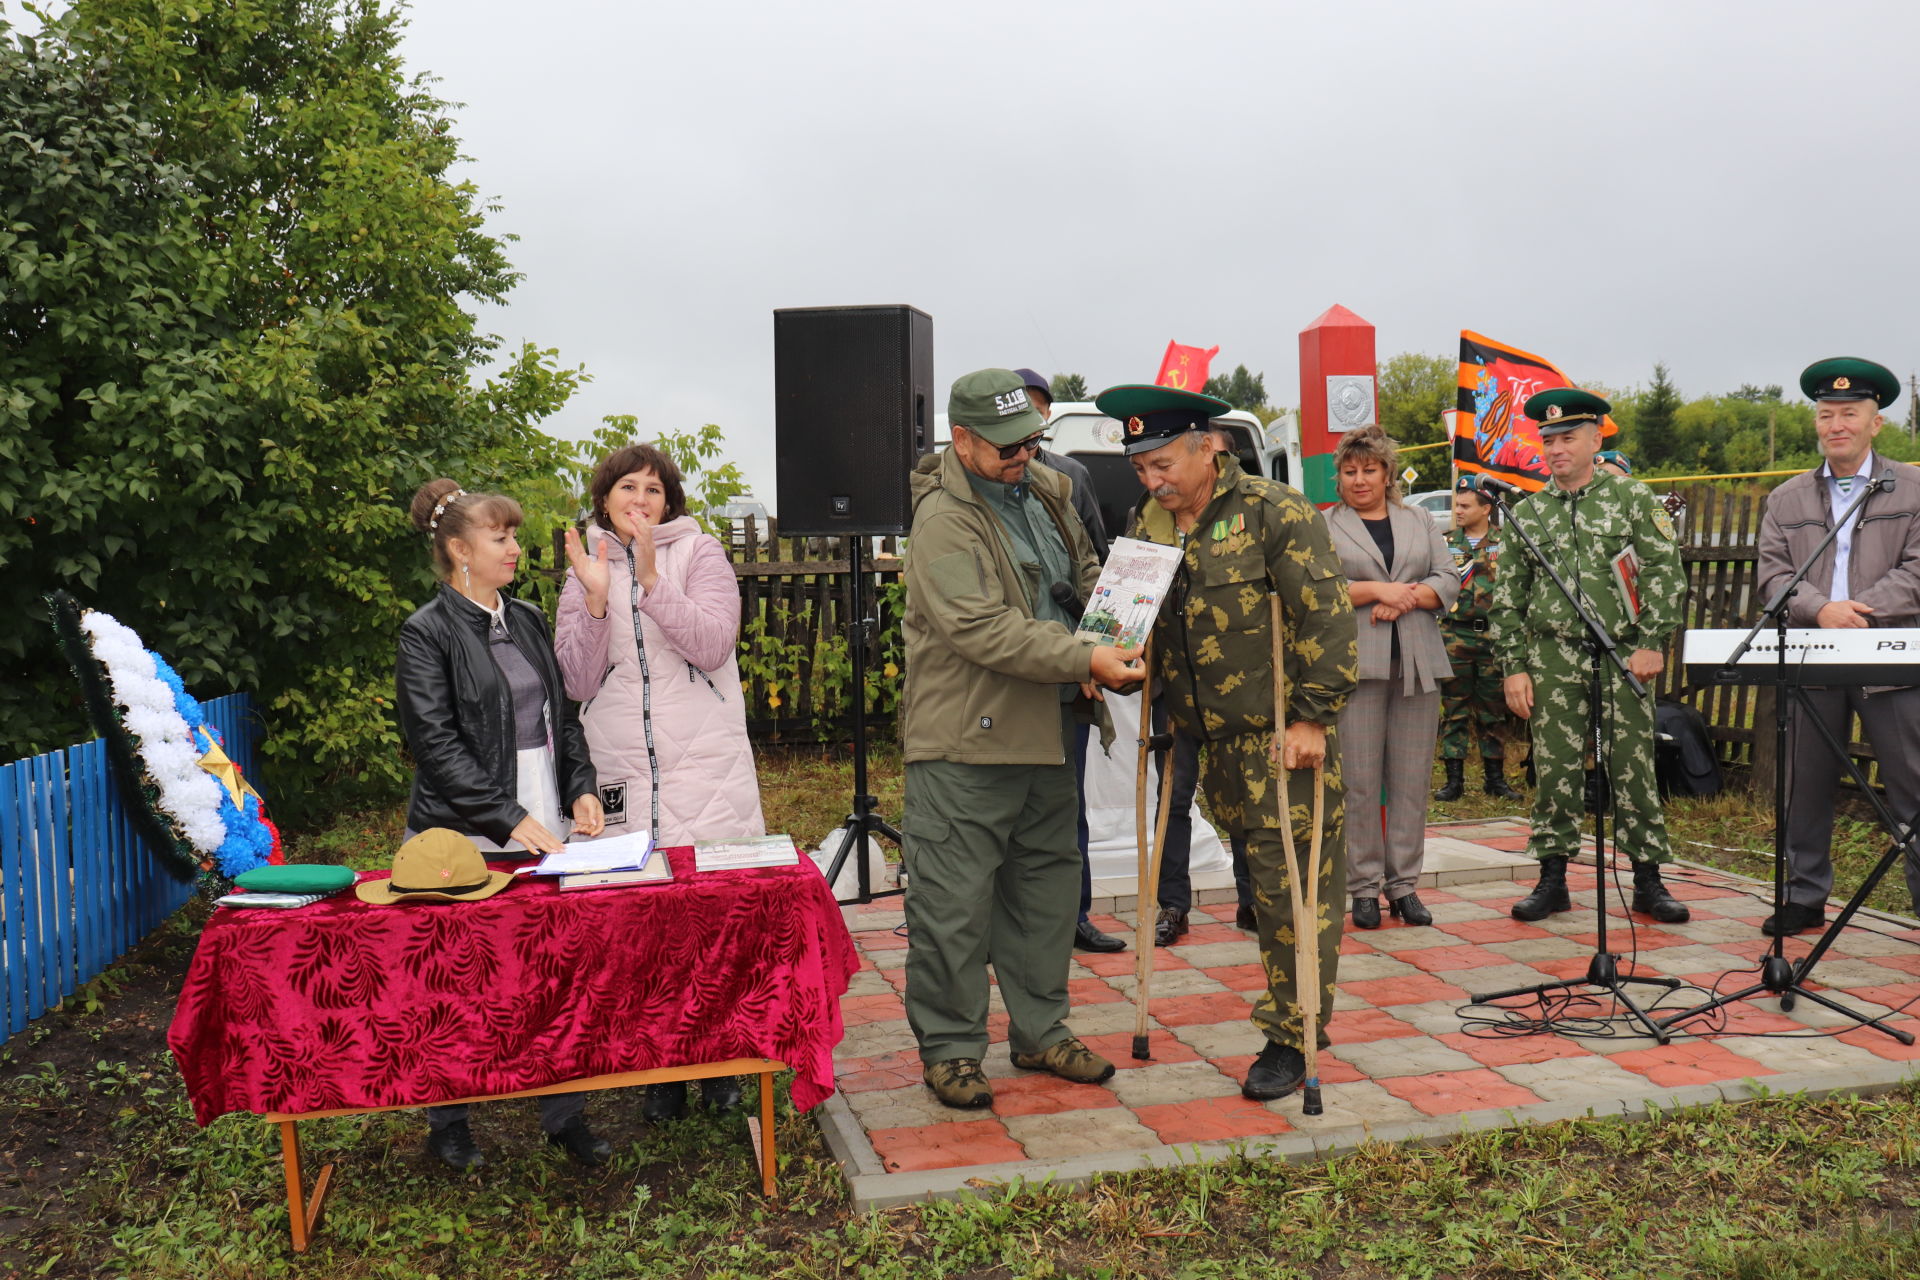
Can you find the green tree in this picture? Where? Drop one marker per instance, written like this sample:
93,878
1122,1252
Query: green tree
1068,386
1241,389
1653,444
1413,392
239,337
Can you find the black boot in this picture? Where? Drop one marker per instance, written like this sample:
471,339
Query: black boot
1366,913
1650,896
664,1102
1456,784
1495,771
1548,896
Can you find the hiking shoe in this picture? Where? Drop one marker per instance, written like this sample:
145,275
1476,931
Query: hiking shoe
1276,1073
454,1147
580,1142
959,1082
1068,1059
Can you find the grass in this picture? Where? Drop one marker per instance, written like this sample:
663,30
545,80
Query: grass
1781,1188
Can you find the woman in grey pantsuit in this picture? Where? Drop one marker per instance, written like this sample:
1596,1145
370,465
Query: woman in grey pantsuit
1402,579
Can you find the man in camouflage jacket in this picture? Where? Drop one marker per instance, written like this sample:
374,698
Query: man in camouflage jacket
1614,544
1472,697
1247,539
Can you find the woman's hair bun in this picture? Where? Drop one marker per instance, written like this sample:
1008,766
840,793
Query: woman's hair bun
426,499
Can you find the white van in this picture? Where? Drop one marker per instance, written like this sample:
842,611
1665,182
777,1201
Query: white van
1081,432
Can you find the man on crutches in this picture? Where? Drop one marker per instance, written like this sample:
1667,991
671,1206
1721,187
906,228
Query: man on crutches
1245,539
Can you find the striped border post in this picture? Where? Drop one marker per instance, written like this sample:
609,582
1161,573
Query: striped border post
1339,390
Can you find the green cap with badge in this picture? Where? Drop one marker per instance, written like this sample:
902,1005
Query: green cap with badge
1154,415
1850,378
993,404
1560,409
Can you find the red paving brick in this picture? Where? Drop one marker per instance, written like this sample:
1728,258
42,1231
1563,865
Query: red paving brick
1359,1026
1210,1120
897,977
1486,931
1446,1093
856,1011
945,1146
1201,933
1114,964
886,1071
1239,977
1756,946
1443,959
1090,991
1118,1049
1506,844
1507,1051
1885,1045
1689,1062
1042,1094
871,940
1906,963
1414,989
1351,945
1187,1011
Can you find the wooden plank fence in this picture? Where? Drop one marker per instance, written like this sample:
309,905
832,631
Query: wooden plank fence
793,594
78,886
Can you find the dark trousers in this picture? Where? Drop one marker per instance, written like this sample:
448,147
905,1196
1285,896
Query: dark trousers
1891,722
1081,736
555,1110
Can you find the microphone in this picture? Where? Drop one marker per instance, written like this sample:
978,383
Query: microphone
1481,482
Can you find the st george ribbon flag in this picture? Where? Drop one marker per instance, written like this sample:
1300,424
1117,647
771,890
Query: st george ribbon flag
1492,433
1185,367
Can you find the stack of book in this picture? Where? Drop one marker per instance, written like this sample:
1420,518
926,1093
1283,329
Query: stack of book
744,854
605,864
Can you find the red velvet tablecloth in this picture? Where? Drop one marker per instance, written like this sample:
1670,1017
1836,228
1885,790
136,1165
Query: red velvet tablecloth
343,1004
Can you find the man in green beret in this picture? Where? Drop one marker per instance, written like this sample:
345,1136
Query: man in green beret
1473,697
1615,545
1869,577
996,567
1245,540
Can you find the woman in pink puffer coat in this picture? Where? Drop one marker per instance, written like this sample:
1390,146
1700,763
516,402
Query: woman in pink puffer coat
648,627
665,720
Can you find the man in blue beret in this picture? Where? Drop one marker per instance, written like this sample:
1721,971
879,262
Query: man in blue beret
1869,577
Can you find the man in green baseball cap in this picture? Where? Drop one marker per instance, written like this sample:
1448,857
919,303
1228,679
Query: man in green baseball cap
997,567
1245,539
1869,577
1608,538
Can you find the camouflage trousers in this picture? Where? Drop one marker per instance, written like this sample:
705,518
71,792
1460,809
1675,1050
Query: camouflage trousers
1561,755
1241,780
1474,697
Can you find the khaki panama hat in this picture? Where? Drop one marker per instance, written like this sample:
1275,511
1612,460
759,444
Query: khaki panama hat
435,866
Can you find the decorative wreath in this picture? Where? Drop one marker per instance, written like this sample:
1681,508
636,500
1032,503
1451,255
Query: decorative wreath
187,797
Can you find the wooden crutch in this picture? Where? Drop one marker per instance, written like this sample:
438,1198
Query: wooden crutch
1149,856
1305,897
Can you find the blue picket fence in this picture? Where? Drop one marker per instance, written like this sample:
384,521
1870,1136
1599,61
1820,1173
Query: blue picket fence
78,886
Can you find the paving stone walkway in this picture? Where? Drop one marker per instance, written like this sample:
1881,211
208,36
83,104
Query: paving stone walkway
1403,1065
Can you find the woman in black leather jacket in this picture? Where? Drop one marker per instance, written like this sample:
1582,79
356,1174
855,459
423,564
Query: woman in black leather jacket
498,750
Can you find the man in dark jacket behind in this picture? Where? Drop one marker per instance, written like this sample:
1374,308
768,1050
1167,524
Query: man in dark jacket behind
996,565
1869,577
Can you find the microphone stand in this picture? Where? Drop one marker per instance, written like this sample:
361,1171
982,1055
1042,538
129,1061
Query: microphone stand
1777,976
1603,970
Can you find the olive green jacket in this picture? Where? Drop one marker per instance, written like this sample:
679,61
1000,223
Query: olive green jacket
1582,533
1213,641
982,671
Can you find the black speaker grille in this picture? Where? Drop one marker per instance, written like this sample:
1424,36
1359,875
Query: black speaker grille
852,414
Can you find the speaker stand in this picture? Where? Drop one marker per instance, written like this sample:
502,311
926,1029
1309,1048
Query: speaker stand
863,820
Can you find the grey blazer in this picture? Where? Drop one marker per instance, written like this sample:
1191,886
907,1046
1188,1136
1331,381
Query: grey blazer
1420,555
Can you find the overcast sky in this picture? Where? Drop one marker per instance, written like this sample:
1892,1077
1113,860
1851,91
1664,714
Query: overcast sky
1726,187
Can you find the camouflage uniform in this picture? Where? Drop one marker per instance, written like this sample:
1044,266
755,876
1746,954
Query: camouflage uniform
1536,631
1213,654
1473,696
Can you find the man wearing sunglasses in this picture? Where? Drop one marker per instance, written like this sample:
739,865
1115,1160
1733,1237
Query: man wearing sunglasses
997,564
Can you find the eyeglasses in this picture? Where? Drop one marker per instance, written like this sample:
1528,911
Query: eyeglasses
1032,444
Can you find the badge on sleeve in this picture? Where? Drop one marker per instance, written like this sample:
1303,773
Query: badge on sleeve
1664,523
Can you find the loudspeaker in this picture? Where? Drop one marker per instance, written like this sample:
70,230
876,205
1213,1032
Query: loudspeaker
852,388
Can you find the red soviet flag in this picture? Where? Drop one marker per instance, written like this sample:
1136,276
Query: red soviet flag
1185,367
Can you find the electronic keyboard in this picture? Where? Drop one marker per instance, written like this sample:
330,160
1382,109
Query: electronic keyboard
1815,655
